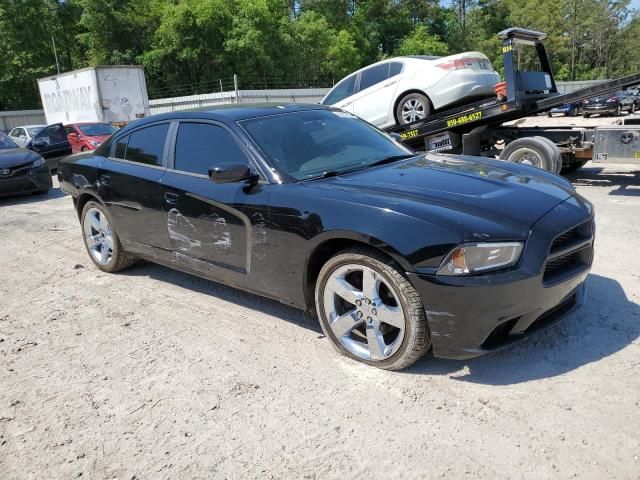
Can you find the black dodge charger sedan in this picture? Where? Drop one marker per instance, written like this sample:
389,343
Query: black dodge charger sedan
21,170
396,252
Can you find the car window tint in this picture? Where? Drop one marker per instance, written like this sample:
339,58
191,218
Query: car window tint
147,145
200,146
374,75
53,134
343,90
120,148
394,68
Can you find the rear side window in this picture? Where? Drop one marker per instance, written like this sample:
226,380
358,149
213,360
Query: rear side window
202,146
343,90
394,68
374,75
146,145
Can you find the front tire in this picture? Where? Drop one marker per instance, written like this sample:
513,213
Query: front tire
370,311
101,240
411,108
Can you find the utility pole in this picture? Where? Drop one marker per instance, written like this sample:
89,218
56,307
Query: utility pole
55,53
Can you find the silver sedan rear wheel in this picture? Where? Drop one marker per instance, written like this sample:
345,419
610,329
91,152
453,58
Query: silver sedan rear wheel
370,311
98,236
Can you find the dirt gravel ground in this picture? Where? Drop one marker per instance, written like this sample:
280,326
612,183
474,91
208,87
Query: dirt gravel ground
154,374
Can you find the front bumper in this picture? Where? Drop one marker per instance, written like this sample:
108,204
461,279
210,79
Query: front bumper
599,108
471,316
26,180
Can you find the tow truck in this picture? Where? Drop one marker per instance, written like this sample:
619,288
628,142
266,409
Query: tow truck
481,128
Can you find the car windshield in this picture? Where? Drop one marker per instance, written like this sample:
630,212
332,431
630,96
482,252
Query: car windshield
317,143
96,129
33,131
6,142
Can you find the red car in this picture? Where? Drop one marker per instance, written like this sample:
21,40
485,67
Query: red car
87,136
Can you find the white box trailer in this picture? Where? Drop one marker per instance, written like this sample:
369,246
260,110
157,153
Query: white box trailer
113,94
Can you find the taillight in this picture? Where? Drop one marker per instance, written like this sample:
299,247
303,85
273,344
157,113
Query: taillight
457,64
612,99
585,101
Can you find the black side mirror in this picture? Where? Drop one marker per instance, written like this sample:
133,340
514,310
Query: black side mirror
232,173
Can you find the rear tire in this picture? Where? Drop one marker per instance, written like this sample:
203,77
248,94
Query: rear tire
557,156
411,108
618,111
532,151
586,115
101,240
361,331
633,108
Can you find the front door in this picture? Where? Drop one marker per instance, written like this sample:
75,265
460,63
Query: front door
129,183
215,229
52,144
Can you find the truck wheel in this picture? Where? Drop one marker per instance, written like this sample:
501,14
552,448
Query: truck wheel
411,108
370,311
573,112
557,156
533,151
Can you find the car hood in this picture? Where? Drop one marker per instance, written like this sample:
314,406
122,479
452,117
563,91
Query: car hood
478,197
14,157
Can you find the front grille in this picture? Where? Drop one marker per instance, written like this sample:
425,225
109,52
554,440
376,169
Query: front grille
16,171
570,254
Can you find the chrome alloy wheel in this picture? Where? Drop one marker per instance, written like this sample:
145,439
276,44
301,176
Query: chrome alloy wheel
98,236
364,312
526,156
412,110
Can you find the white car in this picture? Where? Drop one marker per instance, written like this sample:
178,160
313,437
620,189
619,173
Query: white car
22,135
406,89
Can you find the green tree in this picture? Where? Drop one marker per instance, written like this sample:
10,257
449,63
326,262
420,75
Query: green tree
421,42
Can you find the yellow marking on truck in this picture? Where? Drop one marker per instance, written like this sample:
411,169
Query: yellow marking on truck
410,134
472,117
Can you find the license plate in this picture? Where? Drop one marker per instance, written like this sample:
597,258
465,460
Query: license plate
439,143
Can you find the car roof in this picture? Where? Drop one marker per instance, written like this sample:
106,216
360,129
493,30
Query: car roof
85,123
29,126
233,112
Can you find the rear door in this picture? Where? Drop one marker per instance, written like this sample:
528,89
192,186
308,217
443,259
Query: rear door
52,144
216,229
129,183
376,93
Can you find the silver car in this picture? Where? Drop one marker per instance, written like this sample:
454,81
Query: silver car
22,135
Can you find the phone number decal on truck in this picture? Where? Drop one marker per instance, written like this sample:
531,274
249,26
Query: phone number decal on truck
409,134
472,117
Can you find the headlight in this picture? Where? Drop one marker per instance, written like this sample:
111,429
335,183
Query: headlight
94,143
38,163
473,258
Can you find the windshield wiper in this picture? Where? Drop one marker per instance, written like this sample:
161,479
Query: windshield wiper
391,159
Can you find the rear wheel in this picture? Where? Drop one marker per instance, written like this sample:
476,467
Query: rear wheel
618,110
532,151
633,108
101,241
370,311
586,115
556,159
412,107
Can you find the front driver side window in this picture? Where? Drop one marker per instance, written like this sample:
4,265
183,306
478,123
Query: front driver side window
201,146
